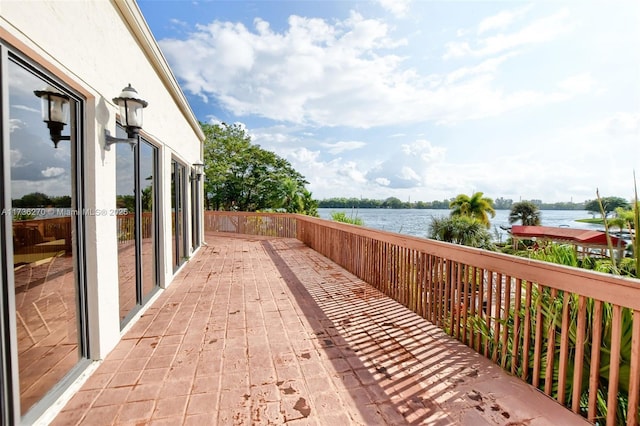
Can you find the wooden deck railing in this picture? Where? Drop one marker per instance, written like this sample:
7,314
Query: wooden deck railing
41,237
572,333
125,224
267,224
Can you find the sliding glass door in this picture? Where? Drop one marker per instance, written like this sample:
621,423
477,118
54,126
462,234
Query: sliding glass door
137,224
43,294
195,209
179,218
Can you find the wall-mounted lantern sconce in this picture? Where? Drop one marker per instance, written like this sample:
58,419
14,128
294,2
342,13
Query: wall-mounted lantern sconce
198,171
55,112
131,112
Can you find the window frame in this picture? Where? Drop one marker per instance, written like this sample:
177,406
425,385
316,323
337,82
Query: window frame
10,410
141,298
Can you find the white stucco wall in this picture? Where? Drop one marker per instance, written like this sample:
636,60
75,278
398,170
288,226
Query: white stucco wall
101,46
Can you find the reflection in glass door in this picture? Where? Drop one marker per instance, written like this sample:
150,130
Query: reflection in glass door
136,224
178,214
195,209
149,223
45,266
126,224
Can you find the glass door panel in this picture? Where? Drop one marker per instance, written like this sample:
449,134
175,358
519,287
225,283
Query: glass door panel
137,224
45,258
149,244
178,211
126,224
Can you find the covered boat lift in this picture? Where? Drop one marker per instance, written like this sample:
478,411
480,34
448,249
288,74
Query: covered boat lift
586,242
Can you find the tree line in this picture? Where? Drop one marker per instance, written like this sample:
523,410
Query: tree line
395,203
38,199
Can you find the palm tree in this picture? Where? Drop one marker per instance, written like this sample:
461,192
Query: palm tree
310,205
525,212
622,220
292,201
462,230
476,206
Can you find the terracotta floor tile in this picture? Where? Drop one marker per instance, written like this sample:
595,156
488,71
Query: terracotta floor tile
98,380
67,418
83,399
105,415
169,407
144,392
200,420
159,361
111,396
258,330
202,403
124,378
205,384
109,365
153,375
176,388
136,411
168,421
133,364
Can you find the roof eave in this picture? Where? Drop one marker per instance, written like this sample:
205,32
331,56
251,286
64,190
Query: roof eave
135,20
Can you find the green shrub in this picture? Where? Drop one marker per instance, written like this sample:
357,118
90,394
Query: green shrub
342,217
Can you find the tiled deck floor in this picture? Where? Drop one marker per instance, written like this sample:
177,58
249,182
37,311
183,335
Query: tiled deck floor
267,331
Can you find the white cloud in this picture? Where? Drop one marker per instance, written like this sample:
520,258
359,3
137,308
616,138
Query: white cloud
344,73
310,88
382,181
409,166
26,108
489,66
408,174
327,176
17,159
338,147
50,172
178,22
580,83
399,8
292,76
619,125
15,124
539,31
566,162
502,20
554,165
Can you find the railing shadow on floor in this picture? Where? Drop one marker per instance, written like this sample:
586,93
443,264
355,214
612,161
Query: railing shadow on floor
408,365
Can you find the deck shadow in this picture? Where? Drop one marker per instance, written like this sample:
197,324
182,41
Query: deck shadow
411,371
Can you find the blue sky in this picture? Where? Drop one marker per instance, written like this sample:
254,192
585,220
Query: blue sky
421,100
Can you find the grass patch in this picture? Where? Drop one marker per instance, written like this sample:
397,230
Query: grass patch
595,220
342,217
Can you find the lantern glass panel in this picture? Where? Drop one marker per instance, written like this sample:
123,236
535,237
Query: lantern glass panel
132,112
55,108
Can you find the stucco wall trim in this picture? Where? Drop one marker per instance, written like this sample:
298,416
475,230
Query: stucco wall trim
133,17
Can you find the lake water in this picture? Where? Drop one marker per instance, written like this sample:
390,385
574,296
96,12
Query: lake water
415,222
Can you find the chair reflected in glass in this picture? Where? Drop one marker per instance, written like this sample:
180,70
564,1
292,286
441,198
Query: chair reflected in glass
45,293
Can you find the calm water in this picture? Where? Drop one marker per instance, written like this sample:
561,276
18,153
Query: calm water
416,222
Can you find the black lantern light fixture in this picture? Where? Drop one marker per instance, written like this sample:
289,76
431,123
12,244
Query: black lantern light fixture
198,171
131,106
55,112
